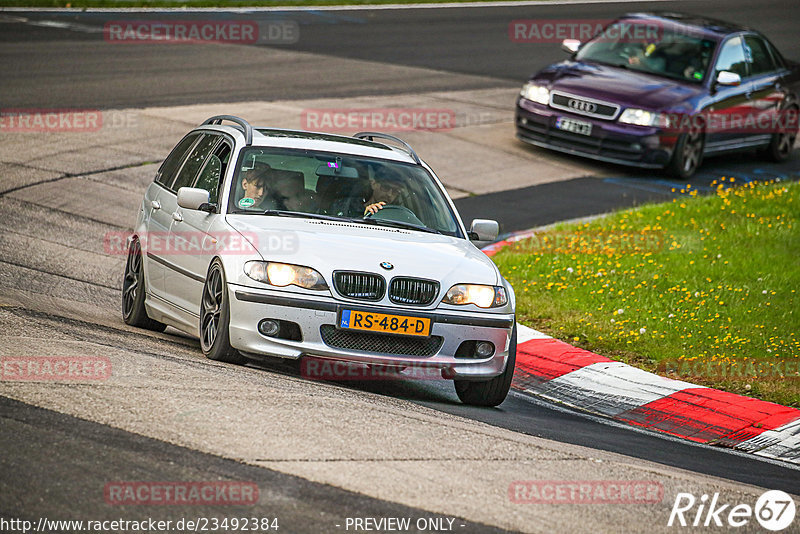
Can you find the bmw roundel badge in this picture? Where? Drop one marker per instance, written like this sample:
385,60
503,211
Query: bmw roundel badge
386,265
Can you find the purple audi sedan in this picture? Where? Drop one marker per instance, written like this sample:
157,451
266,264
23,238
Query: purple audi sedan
663,91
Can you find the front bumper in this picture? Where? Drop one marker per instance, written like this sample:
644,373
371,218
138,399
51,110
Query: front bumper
315,315
611,141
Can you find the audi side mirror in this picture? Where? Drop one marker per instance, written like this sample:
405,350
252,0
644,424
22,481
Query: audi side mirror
728,78
570,45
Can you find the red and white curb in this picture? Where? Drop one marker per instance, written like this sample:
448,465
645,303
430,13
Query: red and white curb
560,372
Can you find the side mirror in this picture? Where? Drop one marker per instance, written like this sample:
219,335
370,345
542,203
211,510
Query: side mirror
728,78
570,45
192,198
484,230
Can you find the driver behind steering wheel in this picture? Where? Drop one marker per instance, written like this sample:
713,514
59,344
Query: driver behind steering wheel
648,56
385,190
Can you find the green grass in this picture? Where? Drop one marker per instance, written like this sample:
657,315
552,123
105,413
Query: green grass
710,279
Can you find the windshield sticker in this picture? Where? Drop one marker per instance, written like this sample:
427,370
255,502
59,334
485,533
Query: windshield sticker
698,75
246,202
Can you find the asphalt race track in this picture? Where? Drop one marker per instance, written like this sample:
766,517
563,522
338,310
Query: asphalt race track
467,41
319,453
458,48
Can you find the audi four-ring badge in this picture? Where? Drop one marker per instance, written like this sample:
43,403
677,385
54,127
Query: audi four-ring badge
311,246
581,105
663,92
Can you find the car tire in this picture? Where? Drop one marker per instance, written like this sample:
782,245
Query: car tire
781,145
688,154
215,318
134,290
490,392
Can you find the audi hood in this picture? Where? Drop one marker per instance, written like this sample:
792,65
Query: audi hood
616,85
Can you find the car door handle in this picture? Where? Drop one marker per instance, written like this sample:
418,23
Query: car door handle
177,217
155,204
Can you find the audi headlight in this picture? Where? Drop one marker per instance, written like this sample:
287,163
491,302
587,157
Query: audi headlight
284,274
479,295
642,117
535,93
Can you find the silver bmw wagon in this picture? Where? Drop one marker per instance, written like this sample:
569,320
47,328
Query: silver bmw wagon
303,245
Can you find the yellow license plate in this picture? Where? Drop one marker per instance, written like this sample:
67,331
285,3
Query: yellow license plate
382,322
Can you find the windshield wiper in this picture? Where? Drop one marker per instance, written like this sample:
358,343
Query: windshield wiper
628,66
598,61
299,215
377,222
397,224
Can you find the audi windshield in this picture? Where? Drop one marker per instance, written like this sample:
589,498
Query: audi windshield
645,46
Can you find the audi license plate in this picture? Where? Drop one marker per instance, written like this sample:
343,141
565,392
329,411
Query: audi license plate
382,322
571,125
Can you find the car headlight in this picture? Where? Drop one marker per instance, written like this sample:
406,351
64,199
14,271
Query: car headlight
284,274
535,93
479,295
642,117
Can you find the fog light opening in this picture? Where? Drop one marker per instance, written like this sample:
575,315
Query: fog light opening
484,349
269,327
474,349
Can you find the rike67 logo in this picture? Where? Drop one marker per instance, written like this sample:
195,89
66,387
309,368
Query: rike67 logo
774,510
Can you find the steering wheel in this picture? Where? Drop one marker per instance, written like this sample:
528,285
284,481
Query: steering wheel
628,51
395,212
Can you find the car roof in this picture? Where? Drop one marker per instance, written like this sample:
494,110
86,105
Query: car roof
709,26
324,142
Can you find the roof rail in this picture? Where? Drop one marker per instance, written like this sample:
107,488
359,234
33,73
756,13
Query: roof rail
247,130
369,137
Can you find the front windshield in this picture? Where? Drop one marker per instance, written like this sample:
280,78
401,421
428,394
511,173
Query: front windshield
646,46
373,191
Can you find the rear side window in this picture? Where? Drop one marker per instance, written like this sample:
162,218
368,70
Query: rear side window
731,58
197,156
214,170
166,174
758,55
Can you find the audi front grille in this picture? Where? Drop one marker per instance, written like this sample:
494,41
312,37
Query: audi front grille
584,106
